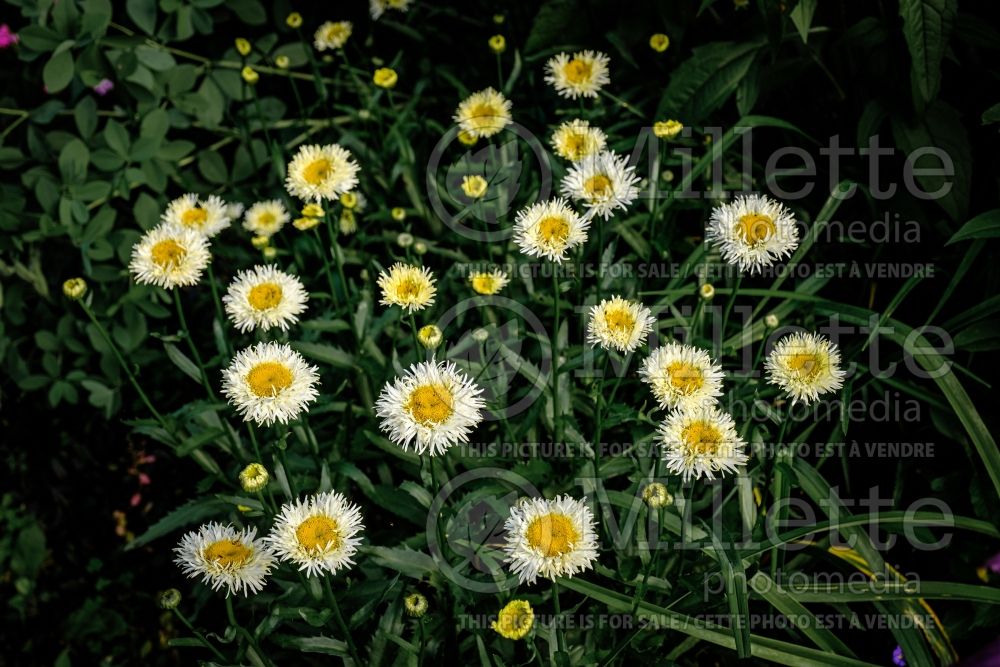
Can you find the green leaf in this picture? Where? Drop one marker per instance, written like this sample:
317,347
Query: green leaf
707,79
317,644
404,560
143,14
992,115
58,71
117,138
191,512
327,354
927,25
73,160
983,226
182,362
85,115
802,17
213,168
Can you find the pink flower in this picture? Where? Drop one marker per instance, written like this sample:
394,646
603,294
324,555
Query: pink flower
103,87
143,479
136,499
7,38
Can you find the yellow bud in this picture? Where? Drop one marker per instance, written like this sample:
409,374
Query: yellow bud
349,200
474,186
467,139
430,336
415,605
707,291
260,242
243,46
313,211
348,223
282,61
420,248
656,495
498,44
270,252
385,77
667,129
250,75
75,288
659,42
294,20
305,224
399,214
253,478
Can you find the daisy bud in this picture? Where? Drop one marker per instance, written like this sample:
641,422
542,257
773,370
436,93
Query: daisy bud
260,242
75,288
404,240
420,247
270,252
430,336
294,20
348,223
707,291
349,200
385,77
515,620
771,321
253,478
305,224
415,605
659,42
656,495
243,46
250,75
169,599
667,129
282,62
474,186
498,44
498,18
480,335
313,211
467,138
399,214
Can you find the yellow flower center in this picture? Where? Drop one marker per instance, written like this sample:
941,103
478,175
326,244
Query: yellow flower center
578,71
702,438
598,187
269,378
317,171
168,253
266,219
619,319
316,532
335,33
685,377
194,217
553,230
484,283
552,534
806,365
756,227
407,288
430,404
264,296
228,553
577,145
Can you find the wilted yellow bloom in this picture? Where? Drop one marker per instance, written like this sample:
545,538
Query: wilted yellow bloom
385,77
659,42
474,186
313,210
656,495
250,75
305,224
294,20
515,620
260,242
399,214
498,44
282,61
347,223
243,46
667,129
415,605
75,288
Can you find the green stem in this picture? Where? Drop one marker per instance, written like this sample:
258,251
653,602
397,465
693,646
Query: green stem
191,345
202,638
416,338
560,639
555,359
218,310
124,365
326,268
340,621
231,614
420,654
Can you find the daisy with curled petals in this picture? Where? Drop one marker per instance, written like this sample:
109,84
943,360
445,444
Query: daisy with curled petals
752,231
208,217
265,297
582,74
269,382
409,287
432,407
549,229
701,441
681,376
603,182
550,538
620,324
169,256
226,557
484,113
488,282
332,35
266,218
379,7
805,365
576,139
321,172
318,534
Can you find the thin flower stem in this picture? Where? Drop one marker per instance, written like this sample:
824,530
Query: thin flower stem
340,621
124,365
555,359
337,258
218,310
560,639
202,638
326,267
623,104
416,338
191,345
231,614
420,653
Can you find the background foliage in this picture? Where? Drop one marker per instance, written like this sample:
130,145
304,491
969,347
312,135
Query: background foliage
84,174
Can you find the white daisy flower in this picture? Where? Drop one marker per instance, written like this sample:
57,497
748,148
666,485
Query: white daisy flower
488,282
318,534
805,365
332,35
603,182
265,297
409,287
234,210
430,408
379,7
224,556
169,256
266,218
701,440
208,217
752,231
483,113
549,229
582,74
550,538
681,376
576,139
321,172
620,324
269,382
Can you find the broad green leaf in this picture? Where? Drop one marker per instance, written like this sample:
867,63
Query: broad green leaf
58,71
983,226
192,512
927,26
